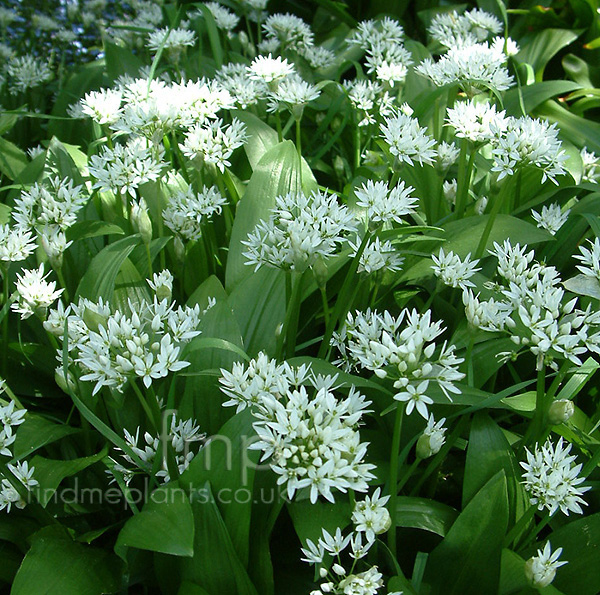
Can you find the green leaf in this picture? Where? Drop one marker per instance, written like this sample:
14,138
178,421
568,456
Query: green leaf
50,472
425,514
229,466
310,519
213,35
37,431
275,174
56,565
120,61
261,137
544,46
468,559
99,279
536,94
91,229
12,159
583,285
165,524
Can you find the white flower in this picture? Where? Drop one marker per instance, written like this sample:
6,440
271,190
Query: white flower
300,230
452,270
35,293
26,72
591,166
15,243
224,19
103,106
478,122
176,39
10,417
383,205
370,516
447,154
293,94
162,284
269,69
414,397
243,90
407,140
552,480
590,259
552,218
432,439
289,31
540,570
377,256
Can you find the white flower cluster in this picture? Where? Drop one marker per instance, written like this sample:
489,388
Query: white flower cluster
552,217
35,294
591,166
243,89
407,139
402,349
590,260
376,256
310,436
529,305
187,211
383,205
10,418
180,435
111,347
452,270
540,570
451,29
16,243
172,41
300,230
370,518
214,143
224,19
552,480
287,31
369,99
292,94
473,67
123,169
476,121
432,439
26,72
527,141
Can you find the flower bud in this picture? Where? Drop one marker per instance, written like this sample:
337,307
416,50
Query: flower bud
320,272
179,249
538,575
141,221
560,411
93,320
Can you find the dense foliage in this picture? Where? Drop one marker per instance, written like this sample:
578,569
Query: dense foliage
299,297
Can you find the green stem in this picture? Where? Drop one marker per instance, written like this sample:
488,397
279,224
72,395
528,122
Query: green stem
325,304
394,477
469,358
278,126
536,425
149,257
492,217
290,324
519,526
408,474
145,406
465,168
5,295
63,284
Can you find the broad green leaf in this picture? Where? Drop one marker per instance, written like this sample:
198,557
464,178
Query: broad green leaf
275,174
67,160
99,279
37,431
50,472
468,559
215,566
213,35
513,579
583,285
12,159
310,519
56,565
165,524
130,287
544,46
536,94
120,61
92,229
425,514
261,137
229,466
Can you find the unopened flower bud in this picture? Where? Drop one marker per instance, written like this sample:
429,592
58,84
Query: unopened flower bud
93,320
432,439
538,576
141,221
179,248
560,411
320,272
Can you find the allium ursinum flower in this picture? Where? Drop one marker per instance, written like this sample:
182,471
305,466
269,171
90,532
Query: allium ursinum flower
388,61
5,52
290,31
527,141
540,570
452,270
377,256
34,152
552,480
7,16
52,204
26,72
590,260
310,436
473,67
104,106
181,435
371,32
474,120
16,243
370,516
591,166
383,205
369,100
529,304
162,285
244,91
8,494
402,349
300,230
214,143
508,46
452,29
319,57
552,217
35,293
187,212
432,439
65,37
176,40
44,22
407,139
110,347
447,155
292,94
269,70
9,418
224,19
54,242
124,168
